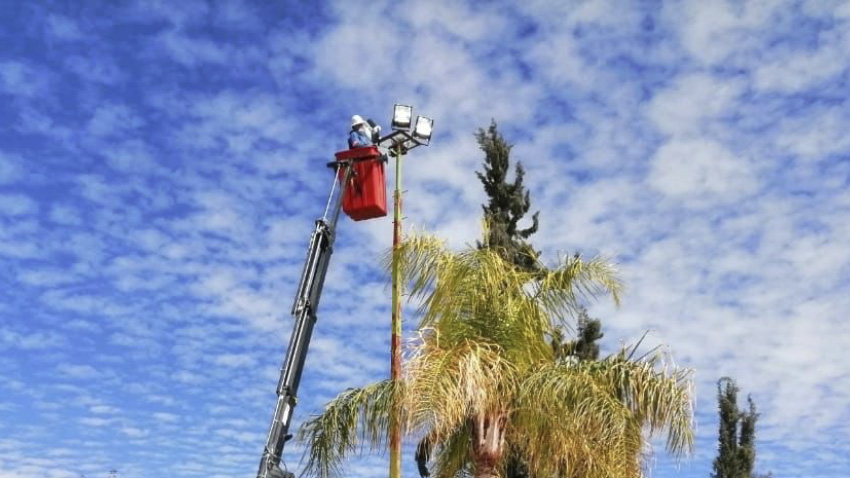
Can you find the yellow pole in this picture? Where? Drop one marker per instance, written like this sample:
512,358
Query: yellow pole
395,367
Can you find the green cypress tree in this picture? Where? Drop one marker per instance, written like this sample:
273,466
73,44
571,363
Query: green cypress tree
736,450
726,465
508,202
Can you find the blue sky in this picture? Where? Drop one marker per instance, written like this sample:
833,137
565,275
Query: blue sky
161,165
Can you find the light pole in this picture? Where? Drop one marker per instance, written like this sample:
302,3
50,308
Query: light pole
399,142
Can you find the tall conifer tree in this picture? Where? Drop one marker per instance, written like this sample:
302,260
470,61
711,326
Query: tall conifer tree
726,464
508,202
736,439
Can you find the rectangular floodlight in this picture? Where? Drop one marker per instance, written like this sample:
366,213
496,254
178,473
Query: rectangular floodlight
423,128
402,115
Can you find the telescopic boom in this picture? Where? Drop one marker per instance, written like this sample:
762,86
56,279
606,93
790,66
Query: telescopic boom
304,311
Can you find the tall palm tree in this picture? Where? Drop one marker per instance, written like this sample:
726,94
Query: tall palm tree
481,375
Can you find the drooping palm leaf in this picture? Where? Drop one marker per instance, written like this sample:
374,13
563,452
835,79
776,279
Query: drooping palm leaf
356,419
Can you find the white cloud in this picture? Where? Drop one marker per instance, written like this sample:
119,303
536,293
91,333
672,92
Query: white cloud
113,119
190,12
712,32
83,325
77,371
692,101
798,71
235,360
342,54
132,156
17,205
9,169
694,168
30,341
65,214
45,277
192,51
63,28
39,121
816,135
94,68
104,410
133,432
238,15
20,79
166,417
187,377
459,19
96,422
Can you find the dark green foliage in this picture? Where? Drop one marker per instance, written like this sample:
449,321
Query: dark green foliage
736,450
508,201
584,347
726,464
516,467
746,441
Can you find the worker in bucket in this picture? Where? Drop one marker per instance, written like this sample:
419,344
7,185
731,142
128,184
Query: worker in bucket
363,133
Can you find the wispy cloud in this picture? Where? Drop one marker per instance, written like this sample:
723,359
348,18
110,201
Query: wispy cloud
161,167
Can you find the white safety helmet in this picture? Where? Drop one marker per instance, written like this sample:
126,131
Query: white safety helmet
356,120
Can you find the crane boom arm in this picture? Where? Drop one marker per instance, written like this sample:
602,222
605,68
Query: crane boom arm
304,311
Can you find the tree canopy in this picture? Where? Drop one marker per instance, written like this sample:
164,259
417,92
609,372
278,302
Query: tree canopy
507,203
480,377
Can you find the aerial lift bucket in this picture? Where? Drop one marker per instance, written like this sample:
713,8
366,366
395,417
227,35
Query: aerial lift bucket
366,194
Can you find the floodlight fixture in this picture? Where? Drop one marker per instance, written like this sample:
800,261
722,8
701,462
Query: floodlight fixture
402,114
406,134
423,128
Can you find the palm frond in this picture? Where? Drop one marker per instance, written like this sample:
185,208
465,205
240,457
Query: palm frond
445,386
568,422
356,418
558,393
660,396
421,257
476,291
452,457
561,290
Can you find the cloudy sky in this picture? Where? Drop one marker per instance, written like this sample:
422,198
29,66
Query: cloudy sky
161,165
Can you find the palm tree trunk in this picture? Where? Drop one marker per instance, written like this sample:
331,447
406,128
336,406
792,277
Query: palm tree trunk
488,444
